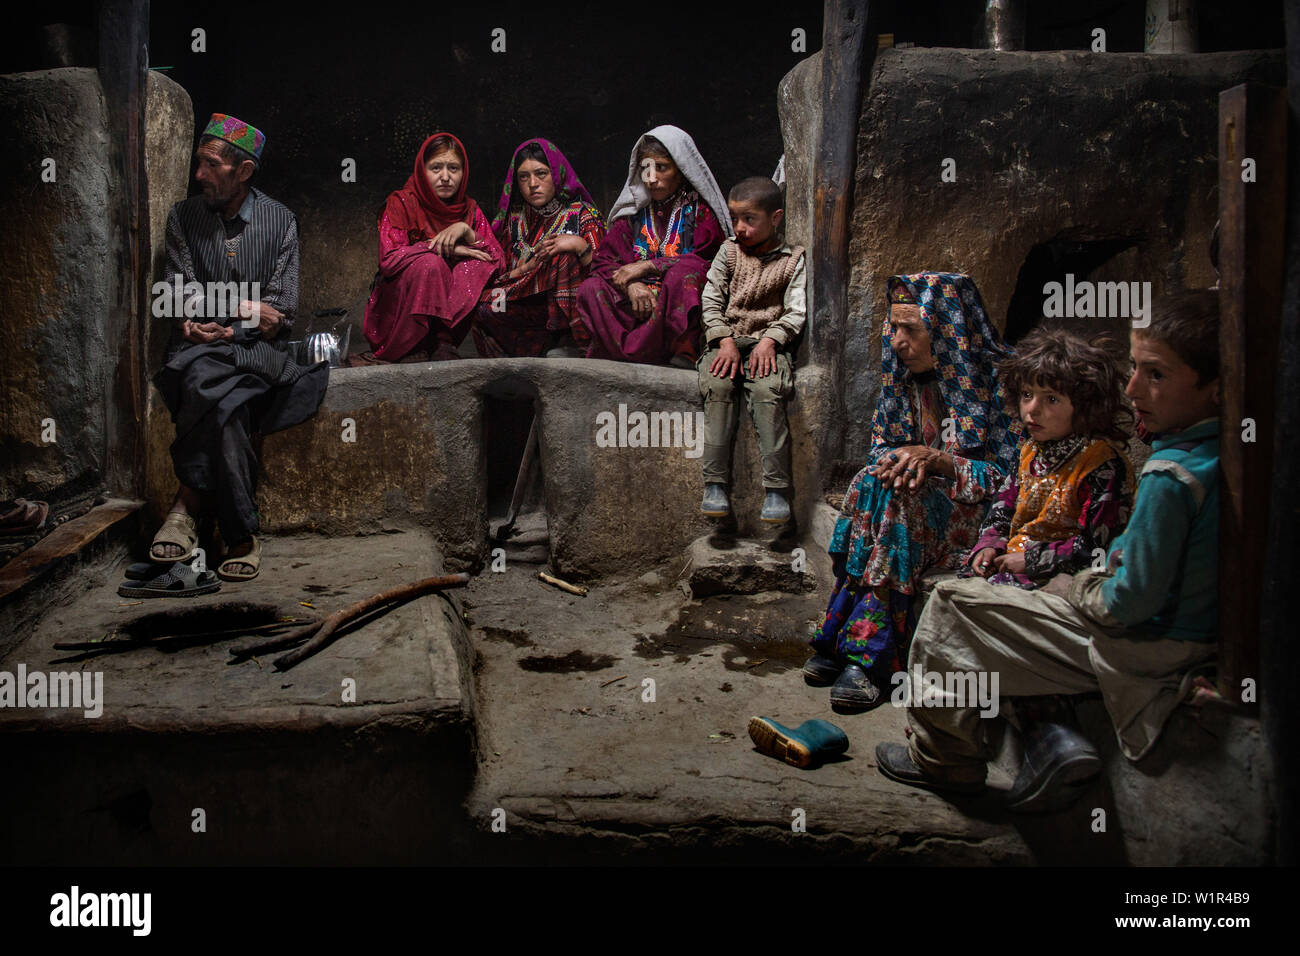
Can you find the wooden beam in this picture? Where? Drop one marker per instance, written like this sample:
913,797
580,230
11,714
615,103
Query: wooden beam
123,73
63,542
1252,146
843,40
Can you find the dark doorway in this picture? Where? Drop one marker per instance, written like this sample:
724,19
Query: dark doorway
1050,262
516,499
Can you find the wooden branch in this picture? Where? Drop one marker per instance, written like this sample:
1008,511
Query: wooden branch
204,635
577,589
397,595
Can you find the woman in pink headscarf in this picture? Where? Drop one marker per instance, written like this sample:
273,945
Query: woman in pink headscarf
549,229
436,254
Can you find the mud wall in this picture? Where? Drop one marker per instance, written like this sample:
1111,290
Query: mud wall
57,282
57,289
1103,165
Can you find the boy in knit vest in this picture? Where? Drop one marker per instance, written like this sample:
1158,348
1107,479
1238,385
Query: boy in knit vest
754,310
1134,632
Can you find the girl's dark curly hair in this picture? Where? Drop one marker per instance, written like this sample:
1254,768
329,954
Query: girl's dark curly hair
1086,372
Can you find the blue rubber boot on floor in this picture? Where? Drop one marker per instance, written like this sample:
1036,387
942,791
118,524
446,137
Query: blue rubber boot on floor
811,743
715,503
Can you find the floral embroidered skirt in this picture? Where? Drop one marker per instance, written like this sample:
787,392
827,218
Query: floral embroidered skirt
888,539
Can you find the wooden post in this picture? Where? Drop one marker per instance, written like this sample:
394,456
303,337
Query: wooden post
1252,210
843,40
123,73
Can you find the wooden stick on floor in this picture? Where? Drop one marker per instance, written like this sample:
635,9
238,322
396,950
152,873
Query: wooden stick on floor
562,585
399,594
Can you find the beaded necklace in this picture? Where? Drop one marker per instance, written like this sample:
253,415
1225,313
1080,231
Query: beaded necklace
566,224
677,233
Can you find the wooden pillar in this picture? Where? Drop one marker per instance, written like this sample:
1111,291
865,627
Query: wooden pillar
843,76
123,73
1252,209
1279,655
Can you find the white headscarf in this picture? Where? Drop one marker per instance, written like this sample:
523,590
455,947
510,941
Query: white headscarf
682,149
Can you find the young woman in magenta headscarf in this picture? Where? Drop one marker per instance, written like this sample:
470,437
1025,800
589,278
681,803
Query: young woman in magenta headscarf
549,229
436,254
642,301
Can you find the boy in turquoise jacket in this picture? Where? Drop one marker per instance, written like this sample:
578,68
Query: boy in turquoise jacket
1133,631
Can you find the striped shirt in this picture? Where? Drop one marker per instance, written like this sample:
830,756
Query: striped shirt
264,250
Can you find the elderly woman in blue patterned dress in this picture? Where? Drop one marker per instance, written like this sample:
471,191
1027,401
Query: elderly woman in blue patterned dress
942,443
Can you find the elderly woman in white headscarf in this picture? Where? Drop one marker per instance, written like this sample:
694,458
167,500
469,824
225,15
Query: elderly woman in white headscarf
642,300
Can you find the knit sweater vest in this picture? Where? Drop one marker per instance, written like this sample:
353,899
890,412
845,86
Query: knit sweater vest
1048,508
757,293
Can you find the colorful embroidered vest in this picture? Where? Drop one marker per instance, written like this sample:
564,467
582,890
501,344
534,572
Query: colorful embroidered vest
679,230
1047,508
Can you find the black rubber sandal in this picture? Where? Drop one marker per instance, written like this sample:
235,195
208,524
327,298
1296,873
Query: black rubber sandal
179,580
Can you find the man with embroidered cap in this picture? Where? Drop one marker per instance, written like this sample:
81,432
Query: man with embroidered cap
228,372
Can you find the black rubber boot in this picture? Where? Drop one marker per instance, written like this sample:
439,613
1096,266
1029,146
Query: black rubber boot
1058,761
821,671
855,691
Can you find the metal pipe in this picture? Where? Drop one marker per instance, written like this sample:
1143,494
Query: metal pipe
1002,25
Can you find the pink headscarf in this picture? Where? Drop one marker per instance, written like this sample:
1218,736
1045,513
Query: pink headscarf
566,181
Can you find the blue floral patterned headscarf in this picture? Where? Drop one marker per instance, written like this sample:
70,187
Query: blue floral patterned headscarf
966,349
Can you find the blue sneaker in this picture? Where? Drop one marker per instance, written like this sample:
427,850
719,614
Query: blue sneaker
776,510
810,743
715,503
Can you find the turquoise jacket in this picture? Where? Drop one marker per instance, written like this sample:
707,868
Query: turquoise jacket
1166,585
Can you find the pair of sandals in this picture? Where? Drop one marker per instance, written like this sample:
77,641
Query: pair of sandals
182,531
181,575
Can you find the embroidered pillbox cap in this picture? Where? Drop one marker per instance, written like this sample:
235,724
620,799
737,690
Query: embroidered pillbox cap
237,133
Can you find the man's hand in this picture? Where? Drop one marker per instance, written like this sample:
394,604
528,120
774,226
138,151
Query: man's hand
982,562
762,360
1059,585
268,317
726,364
624,276
205,333
642,298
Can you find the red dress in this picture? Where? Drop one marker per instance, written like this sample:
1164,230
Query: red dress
416,289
